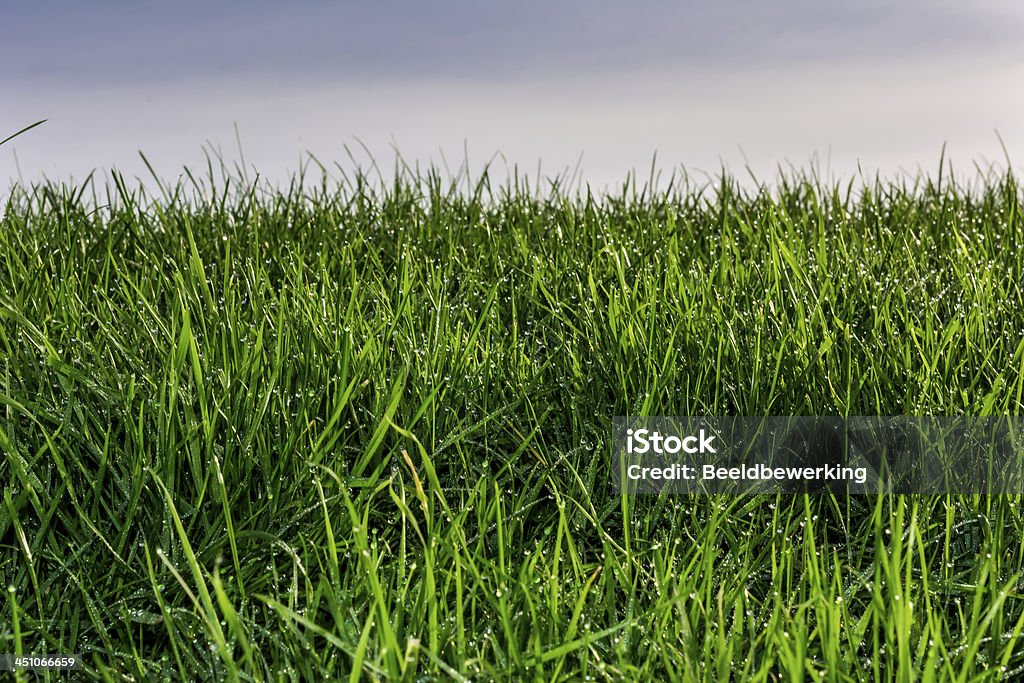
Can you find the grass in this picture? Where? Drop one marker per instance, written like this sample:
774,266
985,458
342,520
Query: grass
359,432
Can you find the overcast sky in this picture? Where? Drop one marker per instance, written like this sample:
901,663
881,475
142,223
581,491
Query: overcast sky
876,84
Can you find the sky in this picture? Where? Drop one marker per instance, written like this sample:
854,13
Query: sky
551,88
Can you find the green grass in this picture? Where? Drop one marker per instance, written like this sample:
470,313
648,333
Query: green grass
353,432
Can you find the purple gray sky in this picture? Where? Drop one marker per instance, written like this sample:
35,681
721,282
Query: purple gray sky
873,84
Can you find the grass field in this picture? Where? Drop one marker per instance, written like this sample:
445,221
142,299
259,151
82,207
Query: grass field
361,432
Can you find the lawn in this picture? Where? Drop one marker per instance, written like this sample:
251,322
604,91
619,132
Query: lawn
360,429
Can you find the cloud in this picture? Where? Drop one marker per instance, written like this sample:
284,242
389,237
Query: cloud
885,85
139,43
